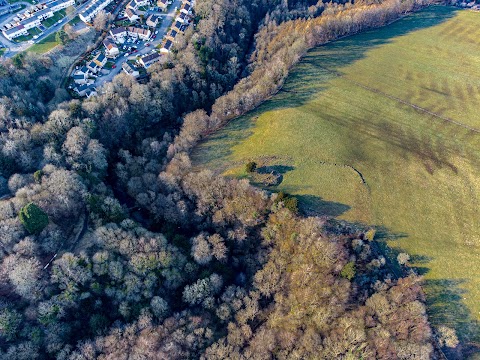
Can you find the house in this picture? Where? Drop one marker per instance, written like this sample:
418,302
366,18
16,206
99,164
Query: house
166,46
135,4
171,35
100,60
80,78
162,4
15,32
83,70
31,23
182,18
44,14
136,33
153,20
186,9
58,5
82,89
130,69
177,26
92,9
91,91
111,49
119,34
93,67
148,60
131,15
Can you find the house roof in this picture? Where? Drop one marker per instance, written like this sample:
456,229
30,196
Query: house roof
150,58
84,69
138,30
178,25
14,30
91,64
79,76
130,13
172,33
167,45
118,30
153,18
186,6
109,44
100,57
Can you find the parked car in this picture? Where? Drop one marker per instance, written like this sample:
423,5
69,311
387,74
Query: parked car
126,54
154,36
147,44
114,66
156,32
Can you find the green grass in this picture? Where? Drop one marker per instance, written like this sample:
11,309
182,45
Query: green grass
349,103
74,21
2,51
15,1
56,16
45,45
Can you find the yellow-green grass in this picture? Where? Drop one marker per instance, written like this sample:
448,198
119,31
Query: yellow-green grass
56,17
400,105
44,45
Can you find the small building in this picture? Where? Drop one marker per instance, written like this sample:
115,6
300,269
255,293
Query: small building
93,67
100,60
130,69
135,4
186,9
162,4
153,20
131,15
80,78
177,26
182,18
111,49
119,34
91,91
148,60
171,35
166,46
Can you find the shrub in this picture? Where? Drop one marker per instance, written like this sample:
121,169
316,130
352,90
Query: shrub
33,218
348,271
37,176
251,167
290,202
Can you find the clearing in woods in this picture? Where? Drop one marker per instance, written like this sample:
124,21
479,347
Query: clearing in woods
400,107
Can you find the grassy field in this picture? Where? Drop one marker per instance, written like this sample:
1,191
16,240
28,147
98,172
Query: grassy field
45,45
400,105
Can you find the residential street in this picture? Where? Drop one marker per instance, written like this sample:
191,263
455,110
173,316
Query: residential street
141,48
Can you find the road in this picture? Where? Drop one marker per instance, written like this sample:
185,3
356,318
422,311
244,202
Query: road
167,20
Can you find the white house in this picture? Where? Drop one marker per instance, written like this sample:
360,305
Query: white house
152,20
58,5
15,32
93,67
119,34
129,69
135,4
31,23
80,77
135,33
44,14
148,60
162,4
92,9
111,49
131,15
182,18
186,9
166,46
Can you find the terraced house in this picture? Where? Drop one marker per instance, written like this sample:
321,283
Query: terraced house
92,9
33,17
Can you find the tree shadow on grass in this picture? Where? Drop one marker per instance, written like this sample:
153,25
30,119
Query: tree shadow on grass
444,297
315,205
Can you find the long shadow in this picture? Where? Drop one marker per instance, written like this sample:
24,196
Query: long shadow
315,205
311,76
443,297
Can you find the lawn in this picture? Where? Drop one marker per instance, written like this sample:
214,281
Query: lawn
45,45
56,16
400,106
2,51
